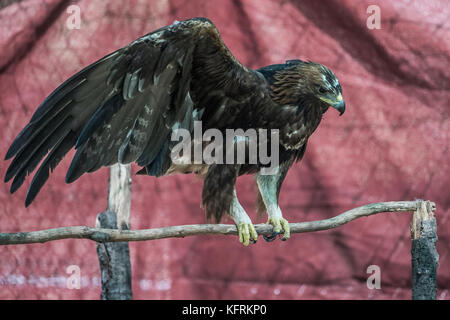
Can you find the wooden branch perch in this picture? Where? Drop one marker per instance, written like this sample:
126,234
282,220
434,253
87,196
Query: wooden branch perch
109,235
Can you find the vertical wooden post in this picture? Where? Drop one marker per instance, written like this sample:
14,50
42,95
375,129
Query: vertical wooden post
114,257
424,257
119,194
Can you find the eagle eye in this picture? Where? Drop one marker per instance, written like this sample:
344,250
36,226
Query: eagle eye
322,89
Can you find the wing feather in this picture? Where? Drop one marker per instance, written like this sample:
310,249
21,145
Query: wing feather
32,159
124,107
49,164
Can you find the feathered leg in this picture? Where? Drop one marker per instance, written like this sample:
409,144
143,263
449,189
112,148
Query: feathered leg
219,197
269,188
218,187
243,223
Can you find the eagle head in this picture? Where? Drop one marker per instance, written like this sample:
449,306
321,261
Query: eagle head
299,82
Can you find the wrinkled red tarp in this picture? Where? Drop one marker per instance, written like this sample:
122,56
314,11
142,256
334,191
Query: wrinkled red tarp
391,144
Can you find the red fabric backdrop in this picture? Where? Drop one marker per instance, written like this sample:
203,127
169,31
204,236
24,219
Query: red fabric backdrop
391,144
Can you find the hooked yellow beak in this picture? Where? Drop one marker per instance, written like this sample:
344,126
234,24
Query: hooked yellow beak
338,104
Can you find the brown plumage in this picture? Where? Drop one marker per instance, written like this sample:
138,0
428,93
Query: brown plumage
124,107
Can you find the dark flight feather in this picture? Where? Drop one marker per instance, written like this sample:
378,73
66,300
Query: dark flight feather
101,115
30,159
54,157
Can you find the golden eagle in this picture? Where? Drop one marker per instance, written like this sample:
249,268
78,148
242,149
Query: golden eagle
124,107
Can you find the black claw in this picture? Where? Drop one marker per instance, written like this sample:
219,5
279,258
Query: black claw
252,241
271,237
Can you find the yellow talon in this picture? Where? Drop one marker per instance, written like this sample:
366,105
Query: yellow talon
279,223
286,228
247,232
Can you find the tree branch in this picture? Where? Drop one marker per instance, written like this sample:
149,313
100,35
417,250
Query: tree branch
109,235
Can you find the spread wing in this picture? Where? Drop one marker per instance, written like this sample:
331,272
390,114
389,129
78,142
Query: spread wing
123,107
